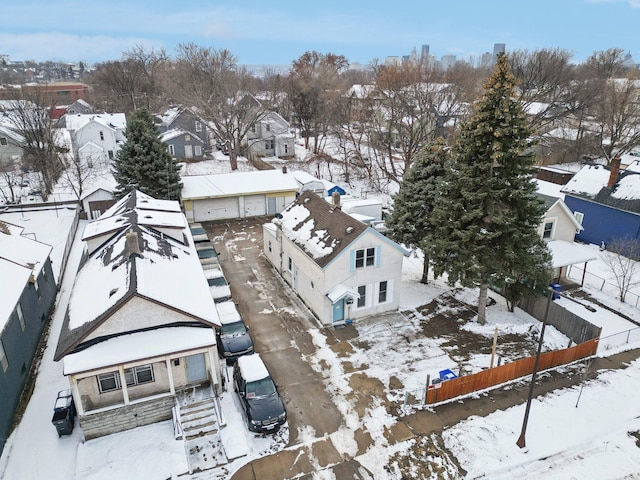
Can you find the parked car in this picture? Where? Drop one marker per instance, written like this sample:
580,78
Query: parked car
262,406
233,335
218,286
198,233
207,254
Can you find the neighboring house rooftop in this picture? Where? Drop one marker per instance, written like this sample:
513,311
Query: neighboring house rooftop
176,132
320,229
592,181
141,247
21,259
111,120
237,183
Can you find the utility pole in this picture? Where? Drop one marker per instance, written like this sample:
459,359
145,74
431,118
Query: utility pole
521,440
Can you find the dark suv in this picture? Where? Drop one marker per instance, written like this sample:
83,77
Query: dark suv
233,335
261,403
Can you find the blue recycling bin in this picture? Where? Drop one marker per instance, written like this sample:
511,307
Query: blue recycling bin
447,374
556,287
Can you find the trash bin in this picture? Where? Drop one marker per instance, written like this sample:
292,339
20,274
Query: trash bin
556,287
447,374
64,413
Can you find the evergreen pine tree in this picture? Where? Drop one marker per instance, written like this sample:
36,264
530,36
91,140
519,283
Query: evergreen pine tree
144,162
487,213
410,220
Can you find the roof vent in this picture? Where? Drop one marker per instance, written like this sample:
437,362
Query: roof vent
306,200
349,229
112,292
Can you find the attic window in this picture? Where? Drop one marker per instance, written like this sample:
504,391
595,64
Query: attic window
112,292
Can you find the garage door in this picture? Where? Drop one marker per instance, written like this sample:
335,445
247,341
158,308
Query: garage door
255,205
215,209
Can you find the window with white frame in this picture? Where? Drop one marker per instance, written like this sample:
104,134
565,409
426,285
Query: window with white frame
3,358
268,145
290,264
365,257
547,232
20,317
110,154
382,291
172,150
198,126
362,301
134,376
197,150
101,135
268,127
579,216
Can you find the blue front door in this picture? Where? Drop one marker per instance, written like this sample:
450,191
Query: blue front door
338,311
196,368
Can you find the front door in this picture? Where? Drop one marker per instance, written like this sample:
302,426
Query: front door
196,368
188,151
338,311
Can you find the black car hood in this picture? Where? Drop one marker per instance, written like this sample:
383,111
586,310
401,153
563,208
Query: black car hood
238,343
265,408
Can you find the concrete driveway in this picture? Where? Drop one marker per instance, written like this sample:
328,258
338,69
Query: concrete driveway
279,325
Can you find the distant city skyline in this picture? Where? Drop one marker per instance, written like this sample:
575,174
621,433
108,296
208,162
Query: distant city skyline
277,34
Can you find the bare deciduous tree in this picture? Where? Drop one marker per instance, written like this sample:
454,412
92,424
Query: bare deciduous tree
622,257
29,118
210,80
132,82
613,105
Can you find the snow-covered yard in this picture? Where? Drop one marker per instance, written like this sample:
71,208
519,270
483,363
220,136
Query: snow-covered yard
368,379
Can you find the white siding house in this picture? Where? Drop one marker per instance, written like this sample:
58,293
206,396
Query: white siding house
340,268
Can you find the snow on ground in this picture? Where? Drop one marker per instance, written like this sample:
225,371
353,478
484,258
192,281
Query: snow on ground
588,441
571,434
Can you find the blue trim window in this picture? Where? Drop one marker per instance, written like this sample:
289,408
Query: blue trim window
362,291
382,292
366,257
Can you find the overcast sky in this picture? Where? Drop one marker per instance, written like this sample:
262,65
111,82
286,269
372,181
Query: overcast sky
277,32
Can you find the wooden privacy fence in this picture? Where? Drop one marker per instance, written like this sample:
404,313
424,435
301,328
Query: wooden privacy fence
510,371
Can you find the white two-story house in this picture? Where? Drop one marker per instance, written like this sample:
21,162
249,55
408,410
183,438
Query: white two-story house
338,266
96,137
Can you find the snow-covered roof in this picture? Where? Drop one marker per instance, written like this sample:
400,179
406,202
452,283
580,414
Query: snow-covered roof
252,368
135,259
177,132
548,188
321,230
591,183
127,348
75,121
20,257
341,291
569,253
237,183
24,251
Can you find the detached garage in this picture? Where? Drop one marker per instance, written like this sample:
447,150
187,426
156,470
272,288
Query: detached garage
237,195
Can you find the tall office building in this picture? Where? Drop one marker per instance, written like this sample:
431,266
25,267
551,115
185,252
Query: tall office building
498,48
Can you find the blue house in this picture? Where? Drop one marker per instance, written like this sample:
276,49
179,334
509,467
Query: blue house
28,295
606,201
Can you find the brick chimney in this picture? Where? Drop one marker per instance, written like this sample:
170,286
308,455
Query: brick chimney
615,171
